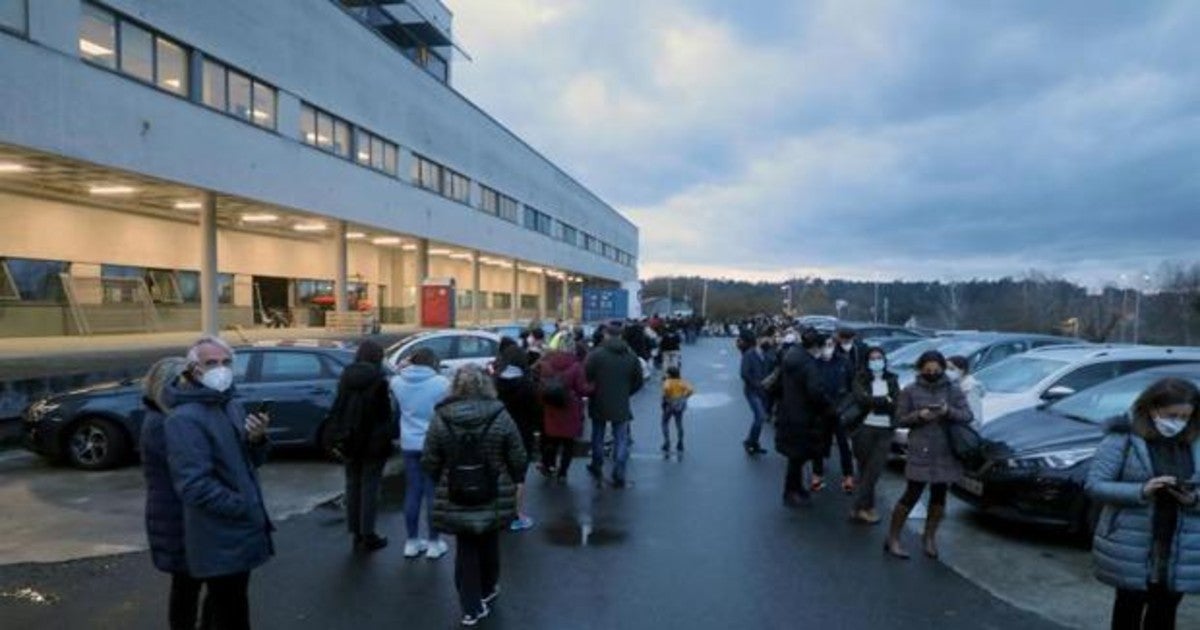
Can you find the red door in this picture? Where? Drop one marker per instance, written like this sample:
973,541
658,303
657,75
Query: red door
436,306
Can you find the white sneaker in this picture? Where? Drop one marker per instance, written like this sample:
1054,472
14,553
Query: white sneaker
437,548
414,547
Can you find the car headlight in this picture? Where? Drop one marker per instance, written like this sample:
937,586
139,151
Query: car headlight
1058,460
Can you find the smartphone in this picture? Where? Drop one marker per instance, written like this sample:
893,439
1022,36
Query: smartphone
264,407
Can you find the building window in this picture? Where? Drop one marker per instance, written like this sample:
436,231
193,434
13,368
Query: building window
501,300
529,302
458,187
13,15
141,53
137,52
508,208
98,36
427,174
569,234
341,138
489,200
171,69
236,93
330,133
375,152
188,284
314,291
30,280
538,221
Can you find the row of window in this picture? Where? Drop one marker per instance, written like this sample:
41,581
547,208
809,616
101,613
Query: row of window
329,133
498,204
227,90
13,15
441,179
29,280
537,220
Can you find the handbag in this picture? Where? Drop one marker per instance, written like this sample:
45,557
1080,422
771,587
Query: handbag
849,413
971,448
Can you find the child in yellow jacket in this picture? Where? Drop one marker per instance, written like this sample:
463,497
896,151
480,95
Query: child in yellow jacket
675,394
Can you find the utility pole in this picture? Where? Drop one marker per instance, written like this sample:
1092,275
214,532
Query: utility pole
704,300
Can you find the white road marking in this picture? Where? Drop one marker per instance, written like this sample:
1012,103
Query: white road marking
709,401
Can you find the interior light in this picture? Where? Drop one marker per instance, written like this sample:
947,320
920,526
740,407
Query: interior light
261,115
92,49
310,137
260,218
172,83
461,256
316,226
363,156
355,235
188,205
387,240
409,248
322,139
439,252
112,189
12,167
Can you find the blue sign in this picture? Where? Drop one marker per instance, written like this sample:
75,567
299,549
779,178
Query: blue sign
605,304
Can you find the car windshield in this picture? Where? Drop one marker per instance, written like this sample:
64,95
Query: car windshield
1099,403
1018,374
907,356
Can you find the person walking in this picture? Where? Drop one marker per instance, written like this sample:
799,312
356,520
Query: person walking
671,347
1145,474
418,389
801,431
758,361
213,452
164,508
517,389
876,390
615,374
474,451
562,388
836,379
675,394
959,372
363,429
926,408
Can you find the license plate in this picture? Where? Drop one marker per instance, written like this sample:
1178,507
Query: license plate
974,486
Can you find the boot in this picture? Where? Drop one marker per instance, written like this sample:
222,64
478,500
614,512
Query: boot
892,546
932,521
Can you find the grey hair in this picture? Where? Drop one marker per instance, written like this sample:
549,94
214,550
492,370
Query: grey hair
163,373
193,353
470,381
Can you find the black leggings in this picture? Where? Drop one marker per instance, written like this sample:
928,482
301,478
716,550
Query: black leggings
185,601
556,450
1151,609
912,493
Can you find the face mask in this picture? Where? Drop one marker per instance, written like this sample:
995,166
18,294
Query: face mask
1170,427
827,353
953,375
218,378
847,346
876,365
931,378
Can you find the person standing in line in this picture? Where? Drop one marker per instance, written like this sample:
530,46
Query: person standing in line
213,451
363,431
801,431
852,350
562,388
876,390
959,372
757,363
671,347
535,344
675,394
926,407
474,451
615,375
164,509
1145,474
517,389
418,389
836,380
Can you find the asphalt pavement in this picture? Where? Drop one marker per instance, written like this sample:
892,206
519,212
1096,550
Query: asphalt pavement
698,541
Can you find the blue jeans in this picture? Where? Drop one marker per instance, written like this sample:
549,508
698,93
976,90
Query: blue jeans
620,446
418,488
758,407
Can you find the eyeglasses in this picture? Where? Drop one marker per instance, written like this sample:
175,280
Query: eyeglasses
212,363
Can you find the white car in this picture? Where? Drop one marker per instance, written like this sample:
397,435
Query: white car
454,348
1048,374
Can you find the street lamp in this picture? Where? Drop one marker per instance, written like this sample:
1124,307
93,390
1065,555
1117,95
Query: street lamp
1137,308
787,302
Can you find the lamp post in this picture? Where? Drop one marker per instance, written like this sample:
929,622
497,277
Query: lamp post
787,301
1137,308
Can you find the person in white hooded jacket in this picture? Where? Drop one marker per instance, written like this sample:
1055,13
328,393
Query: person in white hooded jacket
959,372
418,389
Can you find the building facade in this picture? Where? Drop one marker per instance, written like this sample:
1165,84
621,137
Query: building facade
179,165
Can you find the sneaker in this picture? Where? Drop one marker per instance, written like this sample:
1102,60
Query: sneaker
491,597
437,549
817,483
521,523
473,619
414,547
848,485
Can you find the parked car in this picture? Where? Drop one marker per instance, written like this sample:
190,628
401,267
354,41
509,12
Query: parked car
98,427
516,331
890,344
453,347
1054,372
872,330
1051,449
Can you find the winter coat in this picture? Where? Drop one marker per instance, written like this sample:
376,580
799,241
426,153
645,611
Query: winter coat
363,407
214,468
516,388
757,364
502,449
565,421
417,389
930,458
802,424
615,374
836,378
164,509
1124,534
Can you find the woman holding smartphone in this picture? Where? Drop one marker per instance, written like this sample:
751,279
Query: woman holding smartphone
926,407
1145,474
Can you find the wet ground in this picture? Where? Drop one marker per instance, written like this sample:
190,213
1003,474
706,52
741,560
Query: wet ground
697,541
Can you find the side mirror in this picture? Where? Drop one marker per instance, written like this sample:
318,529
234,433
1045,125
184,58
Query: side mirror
1057,392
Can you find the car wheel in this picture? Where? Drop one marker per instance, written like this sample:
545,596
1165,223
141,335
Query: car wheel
96,444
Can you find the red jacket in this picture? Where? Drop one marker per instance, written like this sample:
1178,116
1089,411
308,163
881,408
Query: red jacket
565,422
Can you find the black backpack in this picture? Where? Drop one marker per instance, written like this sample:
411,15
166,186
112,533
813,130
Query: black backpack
471,480
554,391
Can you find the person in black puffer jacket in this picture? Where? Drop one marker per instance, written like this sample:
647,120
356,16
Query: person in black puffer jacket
364,430
516,386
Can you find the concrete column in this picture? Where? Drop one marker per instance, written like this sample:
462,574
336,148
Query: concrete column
209,299
422,272
565,307
341,282
543,293
516,289
475,287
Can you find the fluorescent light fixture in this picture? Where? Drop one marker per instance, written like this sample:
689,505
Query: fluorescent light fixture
322,139
172,83
315,226
409,247
260,115
260,218
461,256
112,189
188,205
439,252
532,269
387,240
92,49
12,167
310,137
351,236
364,156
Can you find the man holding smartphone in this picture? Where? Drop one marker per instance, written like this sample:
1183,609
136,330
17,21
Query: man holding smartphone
214,449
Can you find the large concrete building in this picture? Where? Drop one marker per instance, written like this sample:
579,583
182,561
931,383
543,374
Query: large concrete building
188,165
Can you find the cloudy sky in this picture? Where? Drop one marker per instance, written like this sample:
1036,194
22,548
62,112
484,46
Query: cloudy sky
891,139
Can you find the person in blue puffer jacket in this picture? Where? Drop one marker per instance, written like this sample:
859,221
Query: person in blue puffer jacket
1145,474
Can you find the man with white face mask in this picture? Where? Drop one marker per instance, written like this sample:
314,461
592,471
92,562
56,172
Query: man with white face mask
213,451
